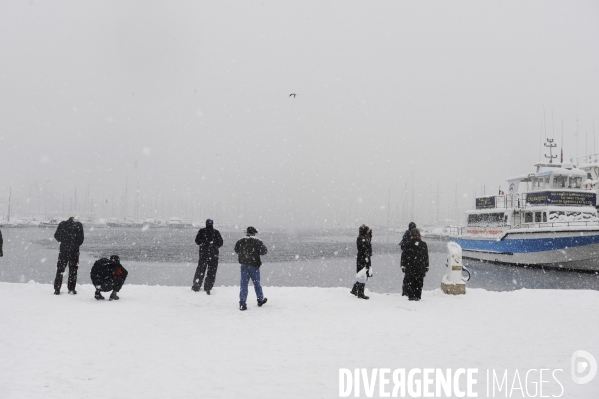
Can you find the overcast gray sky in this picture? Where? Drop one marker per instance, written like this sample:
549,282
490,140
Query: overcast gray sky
190,100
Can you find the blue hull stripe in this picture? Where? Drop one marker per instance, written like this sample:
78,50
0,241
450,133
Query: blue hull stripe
518,245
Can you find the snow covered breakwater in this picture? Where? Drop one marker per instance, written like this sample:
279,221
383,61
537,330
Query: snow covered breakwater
169,342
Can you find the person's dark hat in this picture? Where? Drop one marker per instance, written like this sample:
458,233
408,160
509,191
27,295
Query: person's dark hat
209,222
415,232
115,259
252,230
363,230
411,226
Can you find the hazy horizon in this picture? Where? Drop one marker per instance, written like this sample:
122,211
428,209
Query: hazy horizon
189,101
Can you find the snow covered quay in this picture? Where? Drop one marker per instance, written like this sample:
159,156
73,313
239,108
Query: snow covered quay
170,342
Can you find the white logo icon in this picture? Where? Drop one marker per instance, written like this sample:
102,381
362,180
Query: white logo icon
583,362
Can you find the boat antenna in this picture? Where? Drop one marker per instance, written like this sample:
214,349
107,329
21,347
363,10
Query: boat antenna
552,124
540,142
550,144
562,152
576,131
544,122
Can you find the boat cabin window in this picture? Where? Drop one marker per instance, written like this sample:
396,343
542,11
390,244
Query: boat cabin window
567,182
560,181
571,216
544,216
528,217
575,182
538,217
487,220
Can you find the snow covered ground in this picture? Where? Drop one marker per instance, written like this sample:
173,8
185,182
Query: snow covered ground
169,342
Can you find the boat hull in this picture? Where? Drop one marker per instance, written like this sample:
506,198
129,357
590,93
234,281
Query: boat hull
576,250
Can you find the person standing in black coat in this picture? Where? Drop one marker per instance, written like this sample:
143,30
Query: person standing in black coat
364,246
249,249
1,242
69,234
108,275
407,236
414,263
209,240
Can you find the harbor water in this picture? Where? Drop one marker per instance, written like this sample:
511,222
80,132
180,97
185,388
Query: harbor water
296,258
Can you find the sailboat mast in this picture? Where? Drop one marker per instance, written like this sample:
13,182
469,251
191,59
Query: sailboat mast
9,199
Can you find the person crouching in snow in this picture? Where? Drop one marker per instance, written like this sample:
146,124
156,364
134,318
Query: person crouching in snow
249,250
363,263
414,263
108,275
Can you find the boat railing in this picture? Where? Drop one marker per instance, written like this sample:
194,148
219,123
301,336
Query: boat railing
564,223
460,230
507,201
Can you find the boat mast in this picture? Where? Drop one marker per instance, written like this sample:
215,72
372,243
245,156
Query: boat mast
9,198
437,202
412,194
562,151
125,199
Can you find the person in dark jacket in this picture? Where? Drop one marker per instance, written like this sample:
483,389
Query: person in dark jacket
209,240
414,263
407,237
108,275
249,250
1,242
364,245
69,234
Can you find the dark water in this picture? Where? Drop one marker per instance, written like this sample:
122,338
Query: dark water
296,258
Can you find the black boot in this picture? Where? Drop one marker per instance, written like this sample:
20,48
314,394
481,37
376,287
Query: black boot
114,296
354,289
99,296
361,295
262,302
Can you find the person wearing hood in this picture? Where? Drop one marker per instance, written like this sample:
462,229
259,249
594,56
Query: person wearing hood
249,250
363,263
108,275
209,241
407,235
414,263
69,234
1,242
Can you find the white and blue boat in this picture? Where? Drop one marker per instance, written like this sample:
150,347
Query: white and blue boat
547,218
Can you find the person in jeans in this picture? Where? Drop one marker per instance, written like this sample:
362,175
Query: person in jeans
249,250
